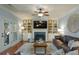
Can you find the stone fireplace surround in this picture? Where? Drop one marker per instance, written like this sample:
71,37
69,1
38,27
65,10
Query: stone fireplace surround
45,30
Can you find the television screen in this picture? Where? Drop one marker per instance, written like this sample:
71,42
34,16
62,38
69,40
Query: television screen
40,24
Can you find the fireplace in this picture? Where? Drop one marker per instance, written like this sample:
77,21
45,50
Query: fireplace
39,36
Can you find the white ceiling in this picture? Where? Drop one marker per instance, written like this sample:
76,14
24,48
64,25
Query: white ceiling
55,10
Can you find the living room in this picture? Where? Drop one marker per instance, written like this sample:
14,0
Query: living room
39,29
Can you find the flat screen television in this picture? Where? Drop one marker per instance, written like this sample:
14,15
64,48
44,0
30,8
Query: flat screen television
40,24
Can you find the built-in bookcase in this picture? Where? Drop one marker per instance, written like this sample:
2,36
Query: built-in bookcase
52,26
27,24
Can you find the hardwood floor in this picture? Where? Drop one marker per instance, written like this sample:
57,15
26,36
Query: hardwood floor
12,49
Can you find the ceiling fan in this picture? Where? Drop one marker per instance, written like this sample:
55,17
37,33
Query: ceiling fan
41,12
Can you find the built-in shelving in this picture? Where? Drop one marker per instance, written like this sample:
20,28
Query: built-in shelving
27,24
52,26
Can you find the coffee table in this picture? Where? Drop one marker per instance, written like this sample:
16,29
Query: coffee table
40,48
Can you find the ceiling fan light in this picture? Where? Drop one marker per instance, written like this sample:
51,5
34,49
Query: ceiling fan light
40,14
